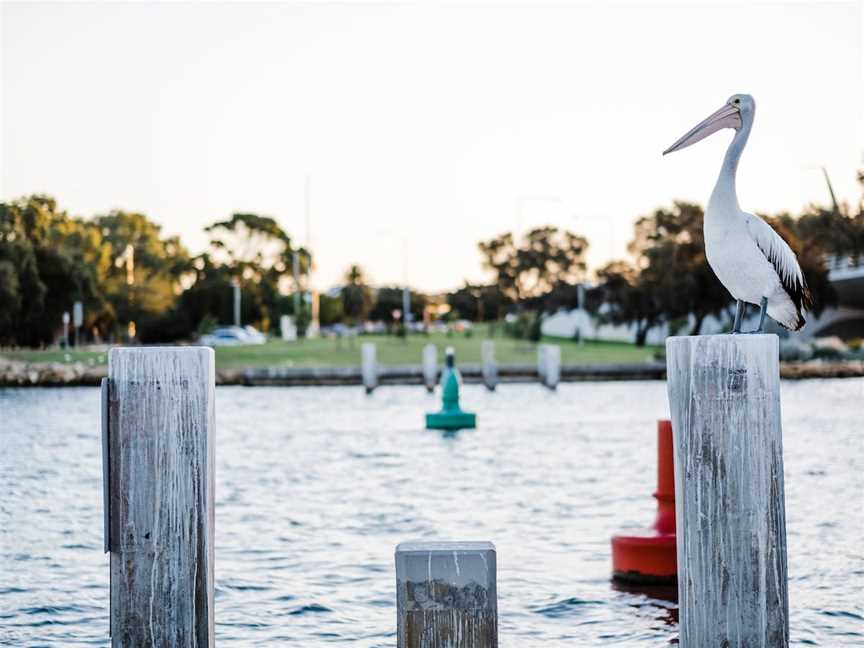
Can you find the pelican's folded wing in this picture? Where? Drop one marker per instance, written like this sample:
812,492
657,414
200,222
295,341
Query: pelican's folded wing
781,256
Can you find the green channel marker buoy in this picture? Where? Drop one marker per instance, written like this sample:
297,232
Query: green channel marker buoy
451,416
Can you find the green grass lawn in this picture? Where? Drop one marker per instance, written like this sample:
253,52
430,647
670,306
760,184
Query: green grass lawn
395,351
391,351
56,355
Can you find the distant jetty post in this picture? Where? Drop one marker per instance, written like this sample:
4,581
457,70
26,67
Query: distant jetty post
369,366
446,595
158,444
430,367
549,365
724,393
489,366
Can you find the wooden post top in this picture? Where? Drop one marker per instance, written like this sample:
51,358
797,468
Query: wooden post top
419,546
722,366
123,350
746,345
134,362
447,575
744,339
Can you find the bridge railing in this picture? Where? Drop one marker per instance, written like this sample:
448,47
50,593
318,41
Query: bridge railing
844,267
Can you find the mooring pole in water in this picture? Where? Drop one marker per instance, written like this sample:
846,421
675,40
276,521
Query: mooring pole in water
489,364
549,365
446,595
369,366
430,366
160,523
724,393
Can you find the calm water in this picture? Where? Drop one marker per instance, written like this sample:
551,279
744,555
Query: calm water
316,486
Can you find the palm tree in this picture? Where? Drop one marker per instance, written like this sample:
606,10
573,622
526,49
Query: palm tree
356,295
355,276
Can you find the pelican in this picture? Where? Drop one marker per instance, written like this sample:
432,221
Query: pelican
749,258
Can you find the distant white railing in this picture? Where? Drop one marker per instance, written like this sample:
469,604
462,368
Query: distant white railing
842,267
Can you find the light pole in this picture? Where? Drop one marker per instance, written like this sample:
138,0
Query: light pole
236,285
128,257
314,325
406,307
407,317
295,272
77,319
66,329
406,291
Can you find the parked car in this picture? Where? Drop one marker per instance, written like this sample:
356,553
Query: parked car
233,336
254,335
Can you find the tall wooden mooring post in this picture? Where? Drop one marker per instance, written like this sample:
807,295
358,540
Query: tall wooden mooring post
158,455
724,393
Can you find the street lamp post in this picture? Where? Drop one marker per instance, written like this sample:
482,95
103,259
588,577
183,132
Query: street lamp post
66,329
77,319
236,284
406,304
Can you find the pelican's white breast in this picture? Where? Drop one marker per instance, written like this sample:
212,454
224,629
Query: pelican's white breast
734,255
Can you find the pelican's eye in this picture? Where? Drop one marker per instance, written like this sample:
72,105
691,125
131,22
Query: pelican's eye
737,101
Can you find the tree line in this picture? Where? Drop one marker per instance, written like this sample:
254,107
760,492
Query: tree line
126,272
136,282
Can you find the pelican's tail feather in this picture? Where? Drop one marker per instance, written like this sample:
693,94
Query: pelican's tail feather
800,322
788,312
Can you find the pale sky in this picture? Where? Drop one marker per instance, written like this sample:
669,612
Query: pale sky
423,128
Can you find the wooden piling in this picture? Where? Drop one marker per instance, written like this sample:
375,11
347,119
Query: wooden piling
724,393
160,446
430,366
549,365
446,595
489,364
369,366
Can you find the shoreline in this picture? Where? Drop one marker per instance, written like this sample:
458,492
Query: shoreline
22,374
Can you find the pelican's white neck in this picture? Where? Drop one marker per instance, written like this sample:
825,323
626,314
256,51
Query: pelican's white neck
724,191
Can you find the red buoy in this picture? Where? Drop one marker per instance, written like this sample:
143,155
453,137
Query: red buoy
648,556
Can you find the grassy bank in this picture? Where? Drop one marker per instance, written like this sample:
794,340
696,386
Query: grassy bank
391,351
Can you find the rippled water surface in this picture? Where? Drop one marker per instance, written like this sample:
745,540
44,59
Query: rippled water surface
316,486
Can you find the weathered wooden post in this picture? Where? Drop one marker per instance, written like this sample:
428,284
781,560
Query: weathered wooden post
724,393
446,595
549,365
430,366
369,366
489,364
160,523
553,366
541,363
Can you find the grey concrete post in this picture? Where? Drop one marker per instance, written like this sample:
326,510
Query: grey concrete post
724,393
160,522
446,595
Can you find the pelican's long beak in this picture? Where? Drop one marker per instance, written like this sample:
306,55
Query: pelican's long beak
727,117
